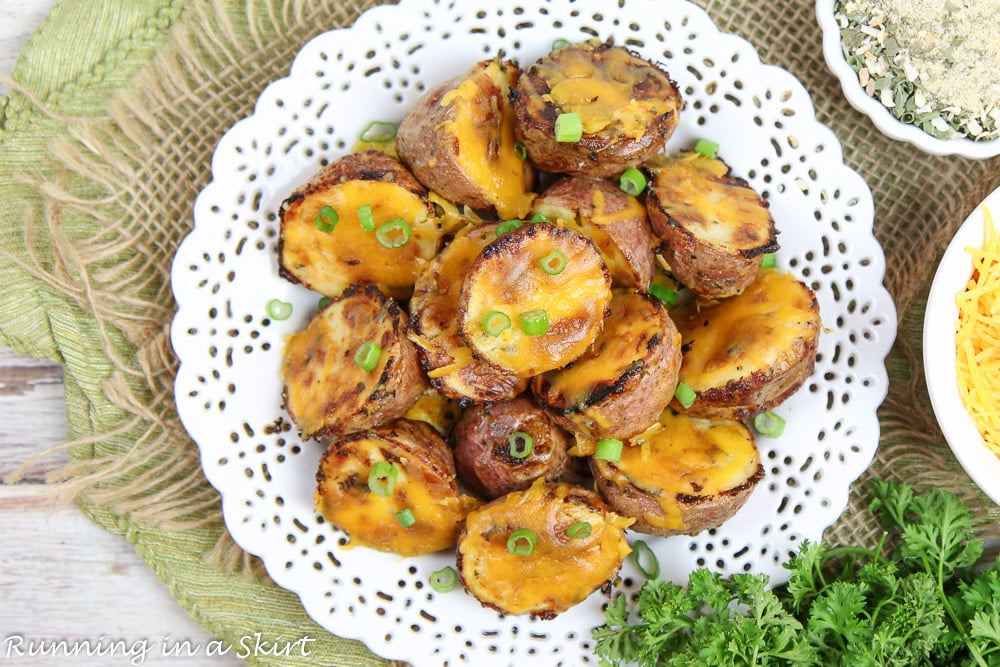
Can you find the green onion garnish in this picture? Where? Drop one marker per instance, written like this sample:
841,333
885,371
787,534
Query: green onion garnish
521,542
664,294
521,444
609,449
560,43
685,395
706,148
769,424
645,560
569,127
508,226
378,132
540,217
534,322
554,263
278,309
327,219
324,301
394,234
579,530
365,218
495,323
443,580
768,261
406,518
520,151
632,182
382,478
368,355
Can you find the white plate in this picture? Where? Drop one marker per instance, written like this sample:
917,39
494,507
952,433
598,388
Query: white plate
959,429
228,390
878,113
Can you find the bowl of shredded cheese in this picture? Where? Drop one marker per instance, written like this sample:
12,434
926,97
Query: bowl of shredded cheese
925,72
962,345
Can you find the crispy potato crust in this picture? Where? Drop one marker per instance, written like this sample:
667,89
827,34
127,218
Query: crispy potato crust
629,107
562,570
326,392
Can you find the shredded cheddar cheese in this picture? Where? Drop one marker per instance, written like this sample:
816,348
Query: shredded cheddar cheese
977,337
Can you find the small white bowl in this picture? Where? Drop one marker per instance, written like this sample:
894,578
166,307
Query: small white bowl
874,109
940,358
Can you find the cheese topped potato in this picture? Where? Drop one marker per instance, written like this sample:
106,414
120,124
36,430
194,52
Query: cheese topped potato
713,226
362,219
458,139
746,354
534,299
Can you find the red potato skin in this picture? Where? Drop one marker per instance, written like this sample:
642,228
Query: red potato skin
627,244
482,450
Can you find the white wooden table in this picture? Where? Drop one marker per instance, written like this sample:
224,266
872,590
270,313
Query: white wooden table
62,577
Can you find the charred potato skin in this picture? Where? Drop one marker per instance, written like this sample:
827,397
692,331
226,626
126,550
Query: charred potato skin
369,165
434,155
709,270
427,459
623,406
482,451
434,326
400,383
607,152
617,223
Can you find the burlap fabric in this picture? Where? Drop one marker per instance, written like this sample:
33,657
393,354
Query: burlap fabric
106,140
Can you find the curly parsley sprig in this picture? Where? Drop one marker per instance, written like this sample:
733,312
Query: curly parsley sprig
922,603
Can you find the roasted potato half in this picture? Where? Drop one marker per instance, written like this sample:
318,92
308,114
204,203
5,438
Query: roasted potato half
449,362
352,367
686,477
505,446
534,299
363,218
458,139
620,386
712,225
627,107
542,550
747,354
614,221
393,489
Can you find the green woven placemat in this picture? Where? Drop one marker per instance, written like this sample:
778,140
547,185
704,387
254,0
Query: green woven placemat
106,141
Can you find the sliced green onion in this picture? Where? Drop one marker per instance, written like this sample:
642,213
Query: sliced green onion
645,560
554,263
706,148
534,322
327,219
632,182
685,395
579,530
569,127
520,151
521,542
365,218
368,355
443,580
560,43
378,132
394,234
521,444
382,478
324,301
278,309
406,518
495,323
769,424
609,449
540,217
508,226
664,294
768,261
